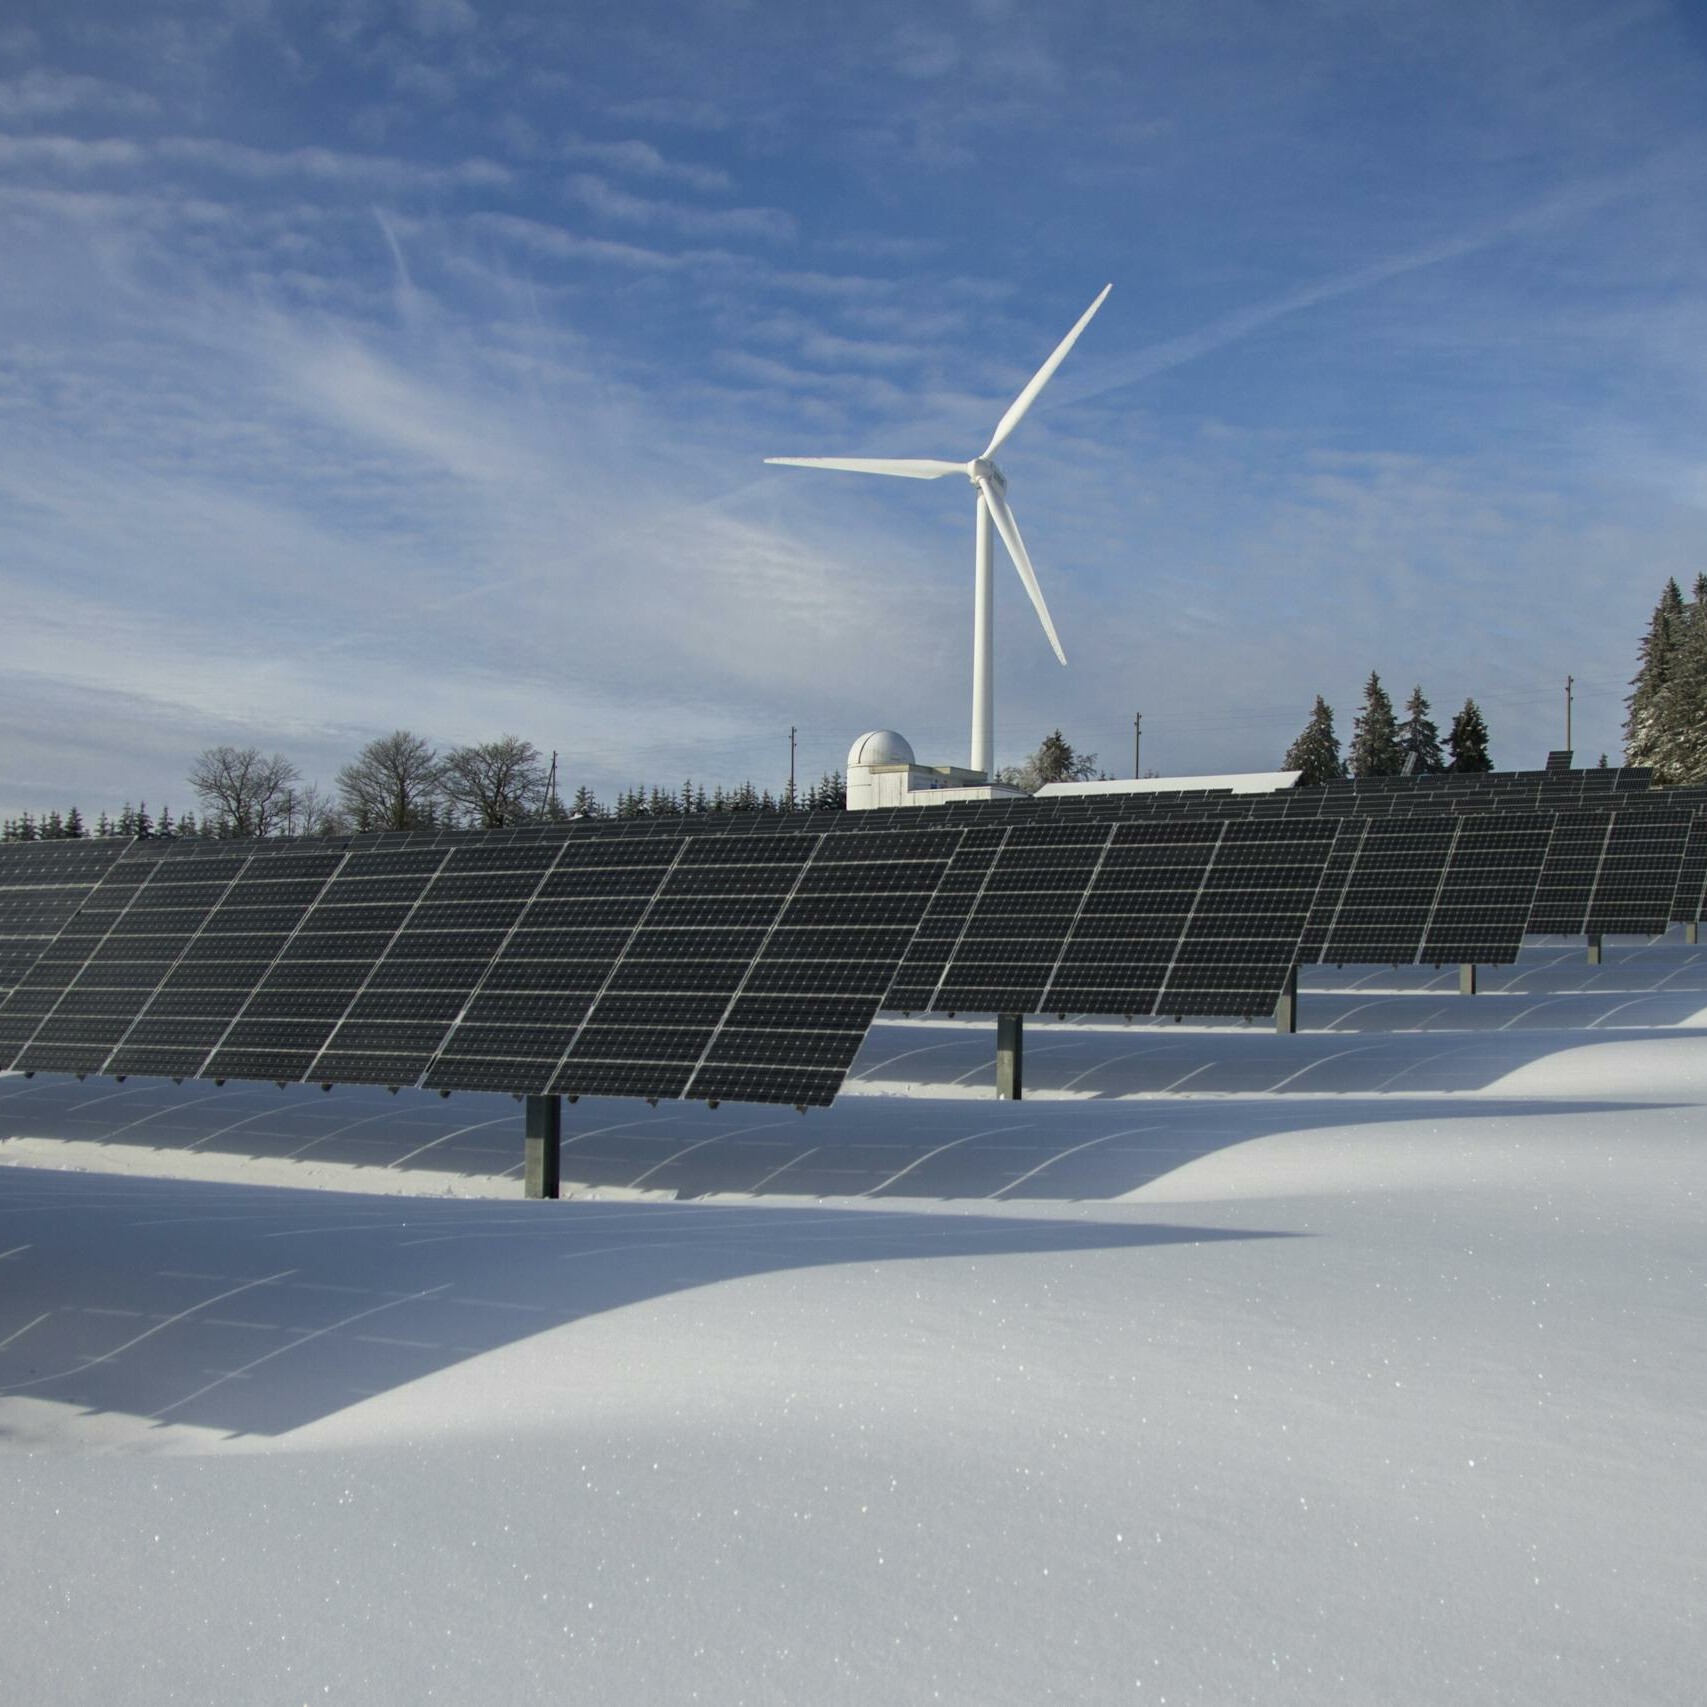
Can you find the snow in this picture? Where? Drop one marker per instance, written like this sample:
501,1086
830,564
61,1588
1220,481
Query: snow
1367,1365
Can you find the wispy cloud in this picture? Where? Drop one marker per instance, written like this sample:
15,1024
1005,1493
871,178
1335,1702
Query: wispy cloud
310,165
563,245
622,207
69,153
684,112
46,94
642,160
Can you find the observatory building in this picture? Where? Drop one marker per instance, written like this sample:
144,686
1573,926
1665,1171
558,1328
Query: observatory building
882,771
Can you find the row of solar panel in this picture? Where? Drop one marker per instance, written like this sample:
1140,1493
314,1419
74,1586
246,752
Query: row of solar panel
750,968
688,968
1398,797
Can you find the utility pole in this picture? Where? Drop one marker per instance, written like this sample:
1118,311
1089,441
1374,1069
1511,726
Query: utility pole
551,783
1137,743
792,732
1570,682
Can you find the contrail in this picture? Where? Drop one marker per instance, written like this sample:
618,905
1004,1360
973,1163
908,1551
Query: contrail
1175,352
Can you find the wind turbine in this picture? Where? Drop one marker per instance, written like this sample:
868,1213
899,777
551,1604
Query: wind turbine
992,488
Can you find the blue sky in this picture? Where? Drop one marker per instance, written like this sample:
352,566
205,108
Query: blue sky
373,364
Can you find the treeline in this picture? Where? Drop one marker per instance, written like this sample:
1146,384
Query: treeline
401,782
1383,746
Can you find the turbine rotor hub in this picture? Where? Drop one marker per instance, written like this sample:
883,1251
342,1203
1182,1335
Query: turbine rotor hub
982,468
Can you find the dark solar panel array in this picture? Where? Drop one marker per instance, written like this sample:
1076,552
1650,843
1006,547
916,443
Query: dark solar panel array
1187,917
1428,890
42,884
685,967
1691,891
1610,873
744,958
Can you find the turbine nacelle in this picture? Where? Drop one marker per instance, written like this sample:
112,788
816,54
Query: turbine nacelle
981,468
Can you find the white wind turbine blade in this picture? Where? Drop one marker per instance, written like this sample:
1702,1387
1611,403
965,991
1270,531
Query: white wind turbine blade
1008,528
1017,409
909,468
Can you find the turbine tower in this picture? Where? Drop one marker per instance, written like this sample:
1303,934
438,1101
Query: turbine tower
992,486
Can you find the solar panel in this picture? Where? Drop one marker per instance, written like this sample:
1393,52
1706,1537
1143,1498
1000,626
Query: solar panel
41,885
793,1026
747,968
1692,873
1482,906
1239,945
1638,876
1391,889
1571,869
746,959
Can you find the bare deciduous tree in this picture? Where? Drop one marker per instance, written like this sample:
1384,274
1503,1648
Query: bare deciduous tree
310,812
243,788
393,783
495,782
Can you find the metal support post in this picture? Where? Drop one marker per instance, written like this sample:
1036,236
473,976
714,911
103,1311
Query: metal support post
544,1138
1010,1057
1466,978
1692,932
1594,951
1286,1009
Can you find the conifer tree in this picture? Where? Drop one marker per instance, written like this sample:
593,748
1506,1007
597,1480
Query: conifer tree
1679,725
1316,752
187,825
1375,749
164,829
74,828
585,804
144,824
103,825
1420,738
1644,735
1467,740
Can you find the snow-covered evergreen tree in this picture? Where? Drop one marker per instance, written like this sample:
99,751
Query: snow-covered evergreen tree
1375,749
1316,752
1644,733
1678,728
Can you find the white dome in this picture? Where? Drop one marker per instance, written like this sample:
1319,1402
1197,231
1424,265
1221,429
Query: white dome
880,747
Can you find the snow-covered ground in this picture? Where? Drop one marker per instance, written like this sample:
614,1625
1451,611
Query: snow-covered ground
1367,1365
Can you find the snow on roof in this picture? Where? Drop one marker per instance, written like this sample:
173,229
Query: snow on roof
1247,782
